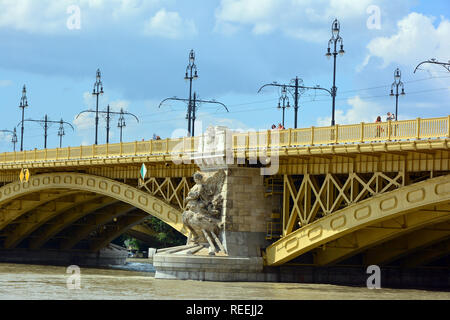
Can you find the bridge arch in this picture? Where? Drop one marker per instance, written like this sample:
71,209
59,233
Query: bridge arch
423,203
45,188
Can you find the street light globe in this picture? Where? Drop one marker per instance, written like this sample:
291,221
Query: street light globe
336,28
397,75
192,57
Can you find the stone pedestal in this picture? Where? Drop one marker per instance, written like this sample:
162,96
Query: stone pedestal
207,268
245,215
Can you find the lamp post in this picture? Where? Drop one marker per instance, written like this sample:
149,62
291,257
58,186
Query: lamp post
23,105
335,41
397,84
108,114
194,107
191,74
445,65
46,124
108,119
121,124
13,137
296,98
298,88
282,102
61,132
98,90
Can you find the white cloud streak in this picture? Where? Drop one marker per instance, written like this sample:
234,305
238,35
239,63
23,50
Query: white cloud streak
167,24
307,20
416,40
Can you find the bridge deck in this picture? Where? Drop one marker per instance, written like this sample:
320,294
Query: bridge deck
362,138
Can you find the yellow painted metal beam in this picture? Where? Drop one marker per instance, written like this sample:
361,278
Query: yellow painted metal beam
41,215
392,250
120,227
363,214
362,239
144,229
14,207
68,217
427,255
93,222
99,185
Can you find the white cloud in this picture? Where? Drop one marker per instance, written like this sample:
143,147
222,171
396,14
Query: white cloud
304,19
168,24
416,40
206,119
118,105
5,83
360,111
85,121
50,17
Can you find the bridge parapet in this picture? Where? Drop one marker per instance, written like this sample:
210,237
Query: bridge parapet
188,149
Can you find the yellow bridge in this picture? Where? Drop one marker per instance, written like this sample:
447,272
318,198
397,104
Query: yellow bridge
376,193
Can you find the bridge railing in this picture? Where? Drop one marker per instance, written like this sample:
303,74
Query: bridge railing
340,134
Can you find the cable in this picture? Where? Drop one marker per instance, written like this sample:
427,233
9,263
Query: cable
385,86
302,102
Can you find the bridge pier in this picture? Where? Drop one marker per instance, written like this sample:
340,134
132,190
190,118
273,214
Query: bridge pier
245,215
111,255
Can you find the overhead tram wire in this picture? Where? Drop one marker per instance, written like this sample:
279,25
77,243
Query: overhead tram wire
306,95
304,101
193,107
385,86
108,114
46,123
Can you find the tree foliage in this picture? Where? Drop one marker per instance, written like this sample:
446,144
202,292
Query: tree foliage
165,237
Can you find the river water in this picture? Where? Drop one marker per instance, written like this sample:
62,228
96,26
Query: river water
136,281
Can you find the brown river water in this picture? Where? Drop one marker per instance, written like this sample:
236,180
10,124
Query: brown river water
136,281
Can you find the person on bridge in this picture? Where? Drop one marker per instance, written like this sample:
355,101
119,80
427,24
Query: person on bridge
378,127
390,117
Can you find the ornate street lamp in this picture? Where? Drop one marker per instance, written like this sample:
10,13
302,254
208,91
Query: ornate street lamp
336,40
396,85
98,90
23,105
296,89
191,74
121,124
283,102
13,137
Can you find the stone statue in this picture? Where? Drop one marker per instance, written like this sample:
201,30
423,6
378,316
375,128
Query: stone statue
203,215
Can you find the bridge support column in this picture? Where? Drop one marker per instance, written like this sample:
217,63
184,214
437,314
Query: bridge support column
244,216
247,212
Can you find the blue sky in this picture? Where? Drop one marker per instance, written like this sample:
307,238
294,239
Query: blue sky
142,49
